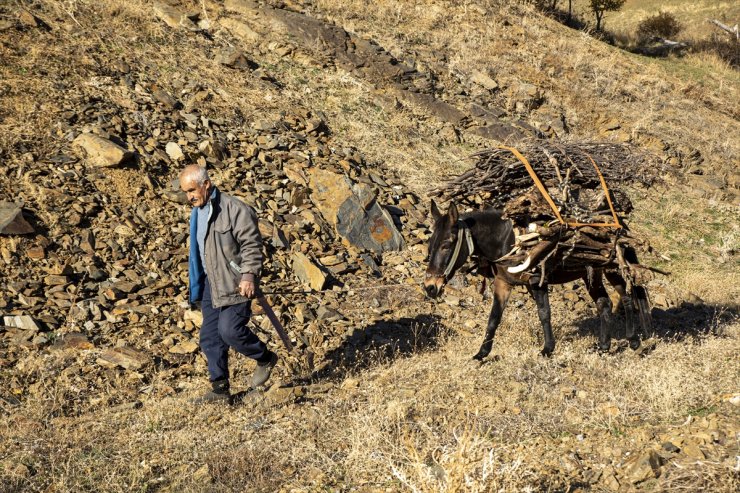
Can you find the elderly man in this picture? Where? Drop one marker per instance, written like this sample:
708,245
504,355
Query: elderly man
225,265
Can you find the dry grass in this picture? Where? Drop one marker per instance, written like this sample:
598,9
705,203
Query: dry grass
700,240
432,422
656,99
693,15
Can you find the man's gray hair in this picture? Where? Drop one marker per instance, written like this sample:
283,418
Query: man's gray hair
196,173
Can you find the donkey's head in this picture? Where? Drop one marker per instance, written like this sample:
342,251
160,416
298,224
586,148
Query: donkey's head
447,249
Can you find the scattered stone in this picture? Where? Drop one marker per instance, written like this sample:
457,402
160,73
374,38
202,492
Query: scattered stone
327,314
484,80
670,447
125,357
212,149
643,467
28,19
240,29
308,272
101,152
174,151
609,480
279,396
427,103
525,97
194,316
173,17
12,221
87,242
235,58
36,253
186,347
350,383
23,322
691,449
163,97
73,340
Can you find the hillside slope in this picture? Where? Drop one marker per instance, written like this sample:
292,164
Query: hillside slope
277,98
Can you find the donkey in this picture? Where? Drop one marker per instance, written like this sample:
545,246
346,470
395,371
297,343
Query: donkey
487,236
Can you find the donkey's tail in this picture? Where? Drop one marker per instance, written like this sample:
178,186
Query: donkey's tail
640,299
642,304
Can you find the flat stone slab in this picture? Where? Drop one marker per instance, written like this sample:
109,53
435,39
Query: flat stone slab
354,211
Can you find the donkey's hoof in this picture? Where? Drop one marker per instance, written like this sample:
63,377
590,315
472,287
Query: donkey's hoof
635,344
603,348
547,352
486,359
480,356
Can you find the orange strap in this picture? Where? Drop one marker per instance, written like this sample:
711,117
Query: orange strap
616,223
536,180
549,200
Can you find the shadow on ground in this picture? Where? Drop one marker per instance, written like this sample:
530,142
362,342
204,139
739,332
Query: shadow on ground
381,342
686,321
693,320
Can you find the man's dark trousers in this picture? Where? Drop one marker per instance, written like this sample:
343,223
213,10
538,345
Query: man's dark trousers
224,327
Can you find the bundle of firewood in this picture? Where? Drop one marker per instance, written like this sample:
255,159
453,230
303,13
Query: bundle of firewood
575,216
499,179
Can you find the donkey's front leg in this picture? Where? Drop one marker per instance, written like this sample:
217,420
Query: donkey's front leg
501,292
542,298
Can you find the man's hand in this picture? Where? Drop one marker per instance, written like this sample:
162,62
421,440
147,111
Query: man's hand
247,289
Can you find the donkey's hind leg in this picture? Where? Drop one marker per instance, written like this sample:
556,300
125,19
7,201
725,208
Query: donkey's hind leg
501,292
595,285
542,298
628,305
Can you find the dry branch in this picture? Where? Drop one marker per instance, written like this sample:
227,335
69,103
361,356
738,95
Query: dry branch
734,31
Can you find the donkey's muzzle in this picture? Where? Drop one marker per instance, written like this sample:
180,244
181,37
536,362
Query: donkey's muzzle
433,286
431,291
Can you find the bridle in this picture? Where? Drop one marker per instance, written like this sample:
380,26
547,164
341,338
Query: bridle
463,233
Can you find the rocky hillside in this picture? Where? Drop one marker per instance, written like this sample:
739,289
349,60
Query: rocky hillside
334,120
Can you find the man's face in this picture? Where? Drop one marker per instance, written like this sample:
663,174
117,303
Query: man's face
197,194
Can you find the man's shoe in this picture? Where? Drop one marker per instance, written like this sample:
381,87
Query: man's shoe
219,394
212,397
262,372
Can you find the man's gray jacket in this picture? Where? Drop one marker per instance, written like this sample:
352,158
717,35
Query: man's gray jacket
233,251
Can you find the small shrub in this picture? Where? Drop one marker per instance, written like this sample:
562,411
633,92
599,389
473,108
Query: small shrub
546,5
724,48
662,25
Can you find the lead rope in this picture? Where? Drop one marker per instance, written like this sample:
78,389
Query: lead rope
462,233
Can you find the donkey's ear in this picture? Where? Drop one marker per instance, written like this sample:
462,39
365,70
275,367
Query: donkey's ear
452,213
435,212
